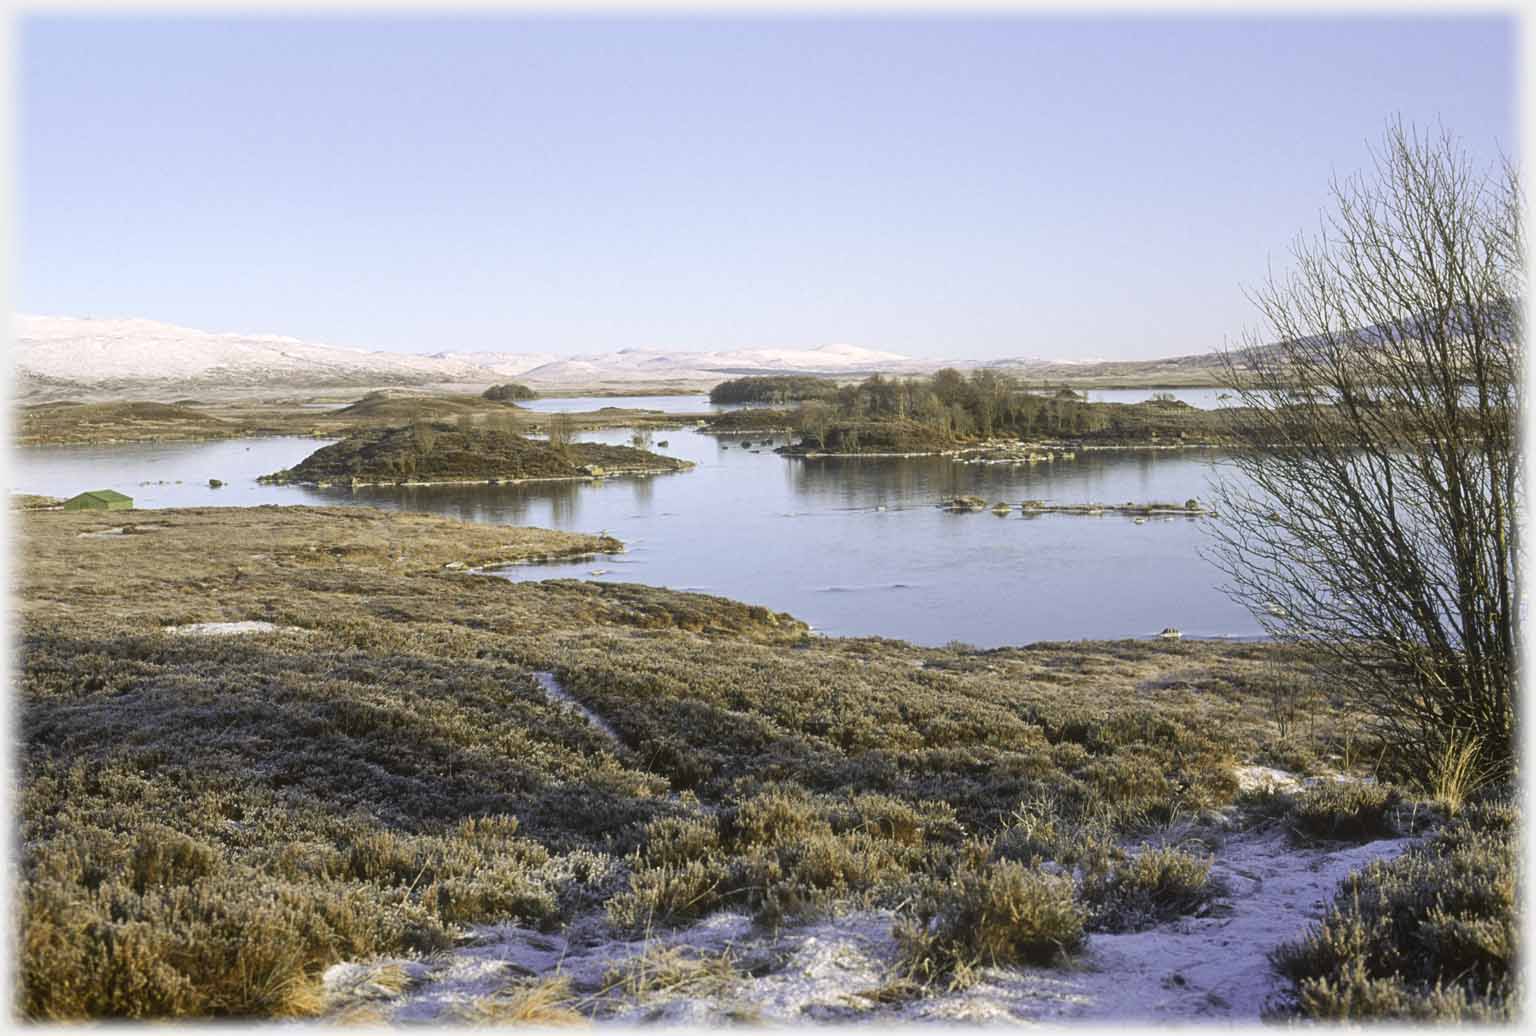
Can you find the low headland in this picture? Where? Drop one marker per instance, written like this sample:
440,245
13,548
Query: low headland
68,422
300,762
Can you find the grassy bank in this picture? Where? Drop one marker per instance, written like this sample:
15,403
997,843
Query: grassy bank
71,423
207,822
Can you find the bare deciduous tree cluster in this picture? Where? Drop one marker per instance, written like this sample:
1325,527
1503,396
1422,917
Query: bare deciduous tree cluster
1378,516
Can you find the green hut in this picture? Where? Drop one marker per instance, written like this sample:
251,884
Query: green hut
99,500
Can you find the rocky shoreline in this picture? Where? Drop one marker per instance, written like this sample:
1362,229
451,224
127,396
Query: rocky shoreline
1007,453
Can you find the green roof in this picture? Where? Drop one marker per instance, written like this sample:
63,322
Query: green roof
104,495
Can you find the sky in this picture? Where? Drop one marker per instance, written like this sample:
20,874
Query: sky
950,188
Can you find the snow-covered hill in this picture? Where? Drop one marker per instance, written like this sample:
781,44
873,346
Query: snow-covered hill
58,356
508,365
637,365
127,351
124,353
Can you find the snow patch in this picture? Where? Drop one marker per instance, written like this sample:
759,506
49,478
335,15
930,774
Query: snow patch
1262,778
229,629
1269,778
552,688
1209,969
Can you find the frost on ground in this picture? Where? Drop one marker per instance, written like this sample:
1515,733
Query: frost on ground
121,530
1268,778
1211,968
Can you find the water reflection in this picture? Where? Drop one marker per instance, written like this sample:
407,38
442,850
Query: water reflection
1200,398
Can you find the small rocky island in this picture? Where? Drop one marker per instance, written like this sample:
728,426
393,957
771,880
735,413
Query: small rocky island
1191,508
423,454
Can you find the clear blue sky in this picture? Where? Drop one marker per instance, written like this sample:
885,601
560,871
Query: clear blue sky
961,188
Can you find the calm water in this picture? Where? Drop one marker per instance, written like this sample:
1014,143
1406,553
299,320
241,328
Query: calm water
166,474
851,546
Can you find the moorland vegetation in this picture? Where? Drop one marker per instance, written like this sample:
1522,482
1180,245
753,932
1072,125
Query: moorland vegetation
208,822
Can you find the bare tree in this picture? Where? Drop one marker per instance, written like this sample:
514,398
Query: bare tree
425,435
560,430
815,418
1376,512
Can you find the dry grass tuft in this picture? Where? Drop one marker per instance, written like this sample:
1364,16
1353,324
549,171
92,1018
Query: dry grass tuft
1457,772
672,971
365,984
545,1001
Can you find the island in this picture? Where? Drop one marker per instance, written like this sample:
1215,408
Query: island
983,417
442,453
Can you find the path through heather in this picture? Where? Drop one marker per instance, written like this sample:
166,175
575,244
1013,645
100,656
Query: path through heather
1209,968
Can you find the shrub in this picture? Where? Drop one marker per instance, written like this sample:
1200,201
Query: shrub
668,894
163,856
779,853
1152,886
1345,811
186,951
895,820
1003,913
777,816
677,840
508,393
1430,935
1039,831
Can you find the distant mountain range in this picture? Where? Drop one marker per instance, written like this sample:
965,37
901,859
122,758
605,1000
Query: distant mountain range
57,356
